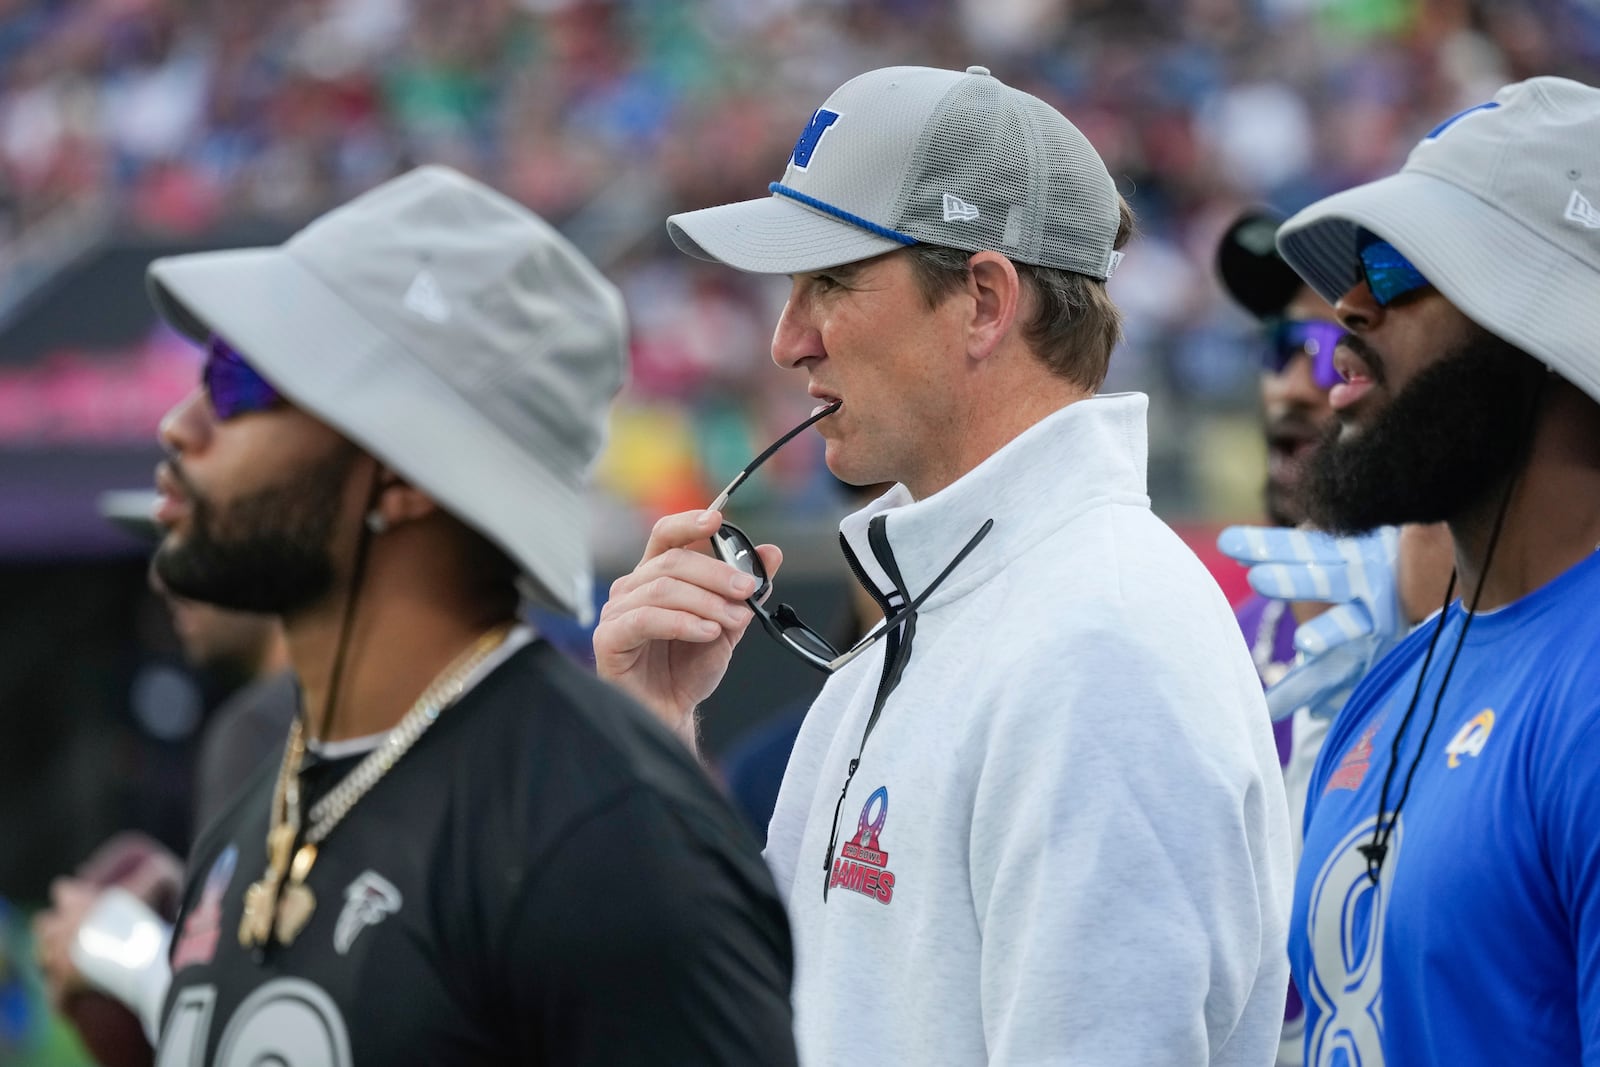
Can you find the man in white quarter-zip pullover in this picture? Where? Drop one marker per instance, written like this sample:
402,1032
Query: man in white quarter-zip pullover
1036,817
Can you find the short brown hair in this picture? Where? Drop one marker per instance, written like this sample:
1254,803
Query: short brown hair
1074,325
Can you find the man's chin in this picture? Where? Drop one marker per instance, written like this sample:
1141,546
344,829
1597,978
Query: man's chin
1282,506
172,539
841,467
153,578
174,573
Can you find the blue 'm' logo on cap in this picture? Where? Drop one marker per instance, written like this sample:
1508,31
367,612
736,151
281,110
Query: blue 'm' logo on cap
1457,117
821,119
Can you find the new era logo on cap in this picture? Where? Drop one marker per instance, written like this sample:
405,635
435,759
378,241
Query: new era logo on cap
423,297
1582,212
957,209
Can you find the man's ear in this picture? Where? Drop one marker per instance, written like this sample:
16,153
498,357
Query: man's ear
996,292
397,501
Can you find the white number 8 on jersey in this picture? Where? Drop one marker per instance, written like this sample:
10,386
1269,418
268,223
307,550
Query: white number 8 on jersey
1345,928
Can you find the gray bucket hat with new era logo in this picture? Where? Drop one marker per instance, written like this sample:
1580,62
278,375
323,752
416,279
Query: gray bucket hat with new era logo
1499,208
905,155
450,332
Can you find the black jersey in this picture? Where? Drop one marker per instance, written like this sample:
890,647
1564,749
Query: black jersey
246,731
545,878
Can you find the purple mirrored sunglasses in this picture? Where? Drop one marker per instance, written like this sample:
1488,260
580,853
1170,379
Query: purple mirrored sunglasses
232,384
1313,338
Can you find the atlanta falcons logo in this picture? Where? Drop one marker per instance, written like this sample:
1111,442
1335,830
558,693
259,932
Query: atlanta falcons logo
368,900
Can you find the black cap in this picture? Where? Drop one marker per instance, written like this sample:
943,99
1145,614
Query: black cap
1250,268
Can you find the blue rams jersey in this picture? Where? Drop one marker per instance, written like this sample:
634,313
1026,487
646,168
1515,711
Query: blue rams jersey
1480,944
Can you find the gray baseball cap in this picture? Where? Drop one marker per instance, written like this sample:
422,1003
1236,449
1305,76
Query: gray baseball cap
451,333
1498,207
912,154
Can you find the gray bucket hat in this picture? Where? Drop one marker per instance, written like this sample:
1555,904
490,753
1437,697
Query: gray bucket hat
451,333
905,155
1498,207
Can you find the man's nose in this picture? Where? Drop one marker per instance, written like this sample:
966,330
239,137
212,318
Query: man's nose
796,337
1358,310
187,427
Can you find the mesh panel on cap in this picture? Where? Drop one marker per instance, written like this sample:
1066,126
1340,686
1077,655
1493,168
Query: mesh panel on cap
1042,192
1081,213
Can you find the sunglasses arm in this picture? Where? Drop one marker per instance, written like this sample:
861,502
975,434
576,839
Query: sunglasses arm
722,497
835,664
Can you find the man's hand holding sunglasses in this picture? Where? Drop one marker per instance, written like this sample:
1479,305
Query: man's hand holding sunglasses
667,632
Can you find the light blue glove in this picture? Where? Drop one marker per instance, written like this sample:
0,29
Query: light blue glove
1338,647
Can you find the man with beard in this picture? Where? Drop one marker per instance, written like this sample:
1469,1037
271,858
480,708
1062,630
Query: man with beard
1447,909
471,851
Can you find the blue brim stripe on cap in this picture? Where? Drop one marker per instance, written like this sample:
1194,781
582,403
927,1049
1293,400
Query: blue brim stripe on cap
839,213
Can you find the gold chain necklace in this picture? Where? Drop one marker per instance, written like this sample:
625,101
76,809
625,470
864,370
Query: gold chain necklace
270,906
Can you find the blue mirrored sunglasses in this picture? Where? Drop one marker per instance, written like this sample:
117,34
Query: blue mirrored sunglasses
232,384
1313,338
1389,274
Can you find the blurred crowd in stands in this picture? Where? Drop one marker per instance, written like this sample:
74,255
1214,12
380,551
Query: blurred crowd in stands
605,115
176,117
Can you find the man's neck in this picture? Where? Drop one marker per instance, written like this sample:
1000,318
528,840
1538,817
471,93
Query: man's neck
996,415
1552,516
274,655
393,652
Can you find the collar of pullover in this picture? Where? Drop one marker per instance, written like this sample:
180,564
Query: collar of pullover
1087,454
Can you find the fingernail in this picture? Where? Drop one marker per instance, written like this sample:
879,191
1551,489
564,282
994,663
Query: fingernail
744,585
704,518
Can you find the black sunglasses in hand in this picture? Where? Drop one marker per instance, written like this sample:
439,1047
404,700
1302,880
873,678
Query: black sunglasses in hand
733,546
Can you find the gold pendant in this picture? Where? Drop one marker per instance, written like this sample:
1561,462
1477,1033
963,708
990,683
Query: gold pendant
261,899
294,911
256,923
298,902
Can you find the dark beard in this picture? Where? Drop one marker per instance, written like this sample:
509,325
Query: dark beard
1285,498
267,553
1458,430
1282,505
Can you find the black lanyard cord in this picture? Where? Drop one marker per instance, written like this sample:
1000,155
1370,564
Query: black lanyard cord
897,654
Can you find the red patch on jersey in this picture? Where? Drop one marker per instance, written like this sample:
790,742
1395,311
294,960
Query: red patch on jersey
1352,769
197,941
